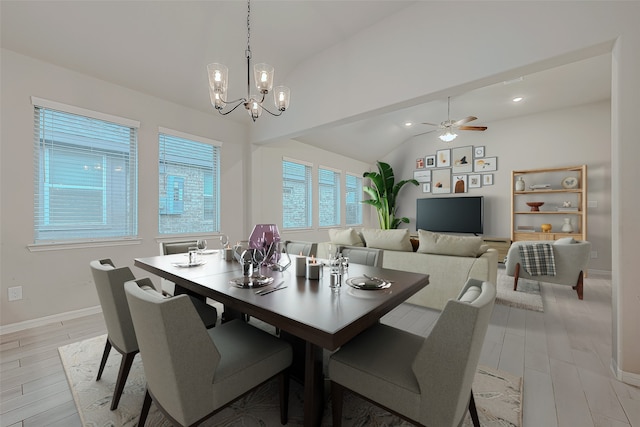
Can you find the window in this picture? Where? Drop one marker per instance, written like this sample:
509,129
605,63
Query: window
328,197
85,175
189,183
353,204
296,194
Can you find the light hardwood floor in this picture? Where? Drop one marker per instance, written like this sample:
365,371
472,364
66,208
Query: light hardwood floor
563,355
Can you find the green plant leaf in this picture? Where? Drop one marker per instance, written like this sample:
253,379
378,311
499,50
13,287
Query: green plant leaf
383,193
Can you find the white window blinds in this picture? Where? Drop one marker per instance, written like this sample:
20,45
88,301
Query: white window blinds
296,194
85,174
328,197
189,184
353,203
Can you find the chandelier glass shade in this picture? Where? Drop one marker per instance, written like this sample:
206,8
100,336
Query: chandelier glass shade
263,78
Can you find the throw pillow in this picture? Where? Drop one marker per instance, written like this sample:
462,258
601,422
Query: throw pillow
565,241
394,240
447,244
347,236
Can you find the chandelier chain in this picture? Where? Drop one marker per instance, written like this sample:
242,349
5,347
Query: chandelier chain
248,51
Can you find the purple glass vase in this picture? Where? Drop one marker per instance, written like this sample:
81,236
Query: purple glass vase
265,236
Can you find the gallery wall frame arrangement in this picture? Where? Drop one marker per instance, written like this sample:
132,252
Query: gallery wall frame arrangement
455,170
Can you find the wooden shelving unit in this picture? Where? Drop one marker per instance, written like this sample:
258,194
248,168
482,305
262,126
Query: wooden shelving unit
553,198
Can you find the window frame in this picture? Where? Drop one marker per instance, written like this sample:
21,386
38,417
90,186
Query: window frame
164,174
85,141
359,197
337,199
308,183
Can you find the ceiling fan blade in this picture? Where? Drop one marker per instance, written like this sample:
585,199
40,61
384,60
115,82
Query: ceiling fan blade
465,120
430,124
472,128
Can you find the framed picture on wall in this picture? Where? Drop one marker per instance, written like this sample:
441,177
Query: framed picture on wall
486,164
441,181
460,183
462,159
478,152
430,162
487,179
426,188
420,163
475,181
443,158
422,176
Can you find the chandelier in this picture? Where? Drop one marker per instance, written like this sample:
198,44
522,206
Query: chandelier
263,77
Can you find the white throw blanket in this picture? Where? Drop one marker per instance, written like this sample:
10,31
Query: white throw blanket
537,259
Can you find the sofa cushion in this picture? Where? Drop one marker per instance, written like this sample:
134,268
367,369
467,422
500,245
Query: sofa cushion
348,237
447,244
394,240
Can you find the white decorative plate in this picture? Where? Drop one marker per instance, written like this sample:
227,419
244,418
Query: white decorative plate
187,265
255,281
570,182
367,284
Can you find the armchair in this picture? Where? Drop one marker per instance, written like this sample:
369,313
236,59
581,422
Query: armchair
571,258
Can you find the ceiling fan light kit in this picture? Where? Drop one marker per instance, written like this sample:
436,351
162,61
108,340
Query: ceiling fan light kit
447,127
448,136
263,78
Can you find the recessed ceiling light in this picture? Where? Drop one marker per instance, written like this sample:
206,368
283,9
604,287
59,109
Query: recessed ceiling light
518,99
408,124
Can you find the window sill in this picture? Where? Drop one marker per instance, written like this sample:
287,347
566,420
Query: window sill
55,246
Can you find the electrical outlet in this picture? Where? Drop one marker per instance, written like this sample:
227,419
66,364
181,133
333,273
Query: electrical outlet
594,254
15,293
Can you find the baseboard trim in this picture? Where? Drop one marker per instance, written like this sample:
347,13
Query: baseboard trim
626,377
34,323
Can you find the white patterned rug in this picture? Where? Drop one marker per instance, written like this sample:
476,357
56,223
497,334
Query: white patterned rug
498,397
527,296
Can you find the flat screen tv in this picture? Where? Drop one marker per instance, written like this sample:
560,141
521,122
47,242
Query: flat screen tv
451,214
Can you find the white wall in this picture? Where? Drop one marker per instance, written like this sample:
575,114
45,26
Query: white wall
59,281
266,195
568,137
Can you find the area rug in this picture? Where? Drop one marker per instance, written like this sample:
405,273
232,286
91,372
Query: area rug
527,296
498,397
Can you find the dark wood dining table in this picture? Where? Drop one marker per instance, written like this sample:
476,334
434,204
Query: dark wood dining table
309,311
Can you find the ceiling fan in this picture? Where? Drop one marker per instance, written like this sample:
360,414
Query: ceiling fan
448,126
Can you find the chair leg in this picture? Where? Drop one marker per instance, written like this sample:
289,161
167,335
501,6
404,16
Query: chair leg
516,274
284,396
146,405
105,356
337,393
125,367
579,285
473,411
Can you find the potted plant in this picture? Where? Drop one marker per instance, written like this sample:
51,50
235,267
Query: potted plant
383,193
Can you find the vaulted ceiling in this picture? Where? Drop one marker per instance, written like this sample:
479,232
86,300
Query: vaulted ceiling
162,49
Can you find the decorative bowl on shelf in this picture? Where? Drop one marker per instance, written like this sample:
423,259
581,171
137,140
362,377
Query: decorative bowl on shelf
535,206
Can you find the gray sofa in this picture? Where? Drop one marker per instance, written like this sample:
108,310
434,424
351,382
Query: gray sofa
451,261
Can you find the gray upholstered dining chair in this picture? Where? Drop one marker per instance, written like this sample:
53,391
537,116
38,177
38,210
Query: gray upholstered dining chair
109,282
192,372
361,255
301,248
424,380
170,248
